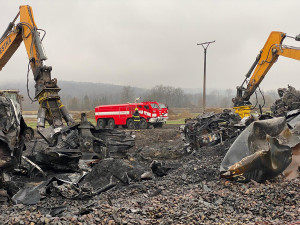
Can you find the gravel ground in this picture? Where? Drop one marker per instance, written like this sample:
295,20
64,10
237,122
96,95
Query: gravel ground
192,193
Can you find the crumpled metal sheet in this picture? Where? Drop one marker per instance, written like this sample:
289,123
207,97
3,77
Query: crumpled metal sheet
262,151
108,173
104,143
10,117
113,171
59,159
116,142
105,175
292,172
10,146
29,195
13,133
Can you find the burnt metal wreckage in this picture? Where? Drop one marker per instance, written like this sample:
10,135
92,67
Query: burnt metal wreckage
22,154
104,175
261,152
81,140
269,147
263,147
85,161
210,129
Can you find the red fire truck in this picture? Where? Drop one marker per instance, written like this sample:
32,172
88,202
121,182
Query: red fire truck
121,114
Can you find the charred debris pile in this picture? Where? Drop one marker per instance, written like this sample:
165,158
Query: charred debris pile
84,162
119,191
210,129
129,178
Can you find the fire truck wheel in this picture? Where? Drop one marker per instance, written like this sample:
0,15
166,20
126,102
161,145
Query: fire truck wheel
111,124
101,123
143,124
130,124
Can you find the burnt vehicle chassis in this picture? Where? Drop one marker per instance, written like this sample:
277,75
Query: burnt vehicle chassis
210,129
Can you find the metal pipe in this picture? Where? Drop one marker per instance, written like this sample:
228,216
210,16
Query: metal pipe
204,82
39,45
9,27
253,65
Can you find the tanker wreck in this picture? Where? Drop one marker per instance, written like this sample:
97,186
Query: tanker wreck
269,147
211,129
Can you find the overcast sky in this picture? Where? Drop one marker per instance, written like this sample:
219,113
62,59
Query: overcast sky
147,43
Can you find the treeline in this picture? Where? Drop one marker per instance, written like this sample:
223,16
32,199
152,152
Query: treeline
85,95
173,97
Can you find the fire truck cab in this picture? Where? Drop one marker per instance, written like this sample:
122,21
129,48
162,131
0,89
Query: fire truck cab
121,114
164,110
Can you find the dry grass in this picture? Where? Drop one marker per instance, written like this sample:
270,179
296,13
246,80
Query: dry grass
89,114
184,113
29,112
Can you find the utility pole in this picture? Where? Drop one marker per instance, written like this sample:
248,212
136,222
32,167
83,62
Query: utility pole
205,46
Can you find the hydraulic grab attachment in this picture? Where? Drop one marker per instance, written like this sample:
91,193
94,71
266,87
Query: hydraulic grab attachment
269,54
46,90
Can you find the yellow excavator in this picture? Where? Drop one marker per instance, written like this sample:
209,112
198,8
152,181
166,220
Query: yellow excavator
269,54
82,136
46,90
65,144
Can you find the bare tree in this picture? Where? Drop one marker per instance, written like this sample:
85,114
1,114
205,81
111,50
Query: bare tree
127,94
73,104
174,97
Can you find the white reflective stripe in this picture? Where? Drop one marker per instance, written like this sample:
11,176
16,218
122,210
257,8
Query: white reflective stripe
154,115
112,113
147,113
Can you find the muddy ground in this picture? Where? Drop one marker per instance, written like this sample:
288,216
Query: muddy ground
190,193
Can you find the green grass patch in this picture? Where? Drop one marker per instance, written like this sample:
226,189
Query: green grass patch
179,121
31,124
93,121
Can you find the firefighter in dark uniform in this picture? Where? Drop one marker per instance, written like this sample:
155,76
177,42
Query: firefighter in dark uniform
136,119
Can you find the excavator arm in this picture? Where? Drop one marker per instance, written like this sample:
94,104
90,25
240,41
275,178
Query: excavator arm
46,90
66,144
269,54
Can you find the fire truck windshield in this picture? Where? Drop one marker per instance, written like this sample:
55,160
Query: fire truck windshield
161,105
154,106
